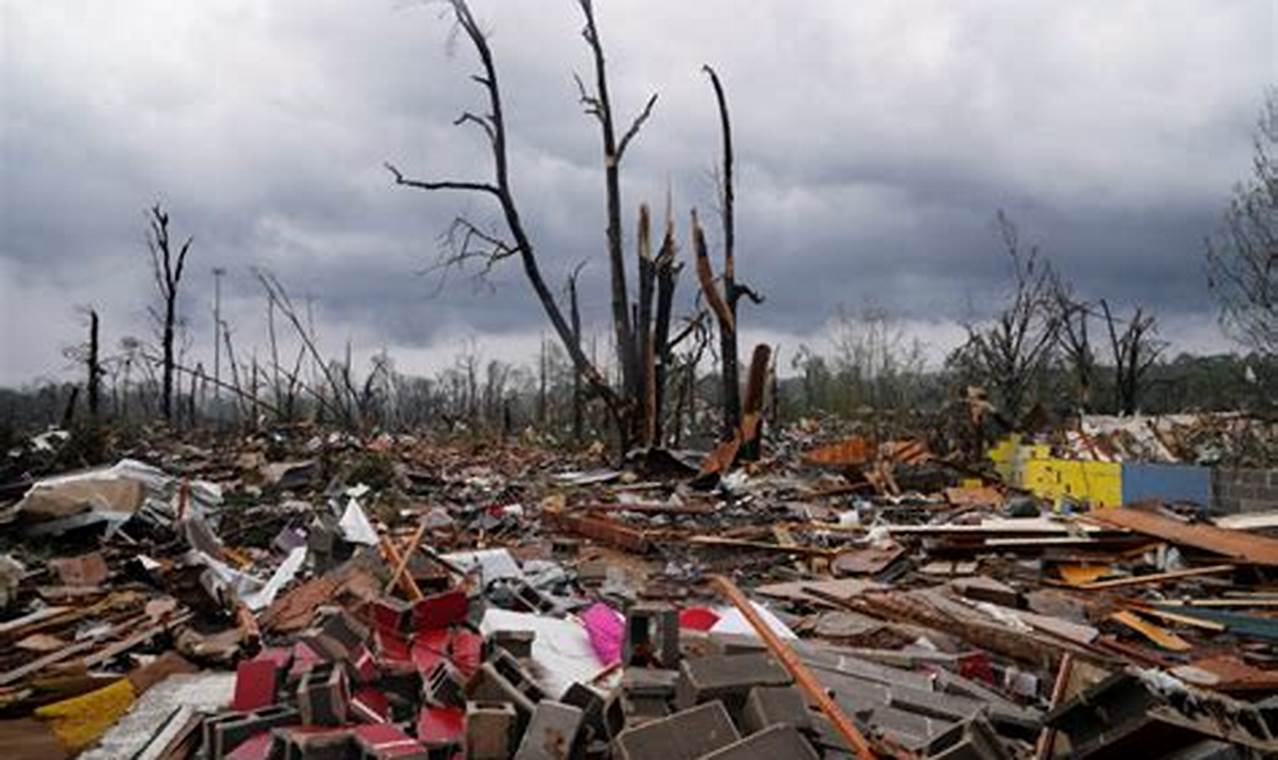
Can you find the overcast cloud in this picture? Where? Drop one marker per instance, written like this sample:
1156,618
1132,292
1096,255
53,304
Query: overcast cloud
875,141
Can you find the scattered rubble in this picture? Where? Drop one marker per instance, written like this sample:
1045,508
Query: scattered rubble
309,595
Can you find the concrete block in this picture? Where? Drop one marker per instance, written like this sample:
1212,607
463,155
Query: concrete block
555,733
738,643
489,685
223,733
445,686
515,674
652,636
386,742
973,739
313,743
517,643
490,730
772,705
345,629
780,741
1257,505
1253,477
323,695
727,677
603,715
649,682
685,735
641,709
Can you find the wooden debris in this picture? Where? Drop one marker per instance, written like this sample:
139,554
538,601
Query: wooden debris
1160,636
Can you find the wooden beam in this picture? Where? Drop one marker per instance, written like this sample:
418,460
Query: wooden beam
1139,580
402,564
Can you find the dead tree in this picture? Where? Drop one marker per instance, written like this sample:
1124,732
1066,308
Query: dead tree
344,403
1073,316
470,241
1011,352
94,368
661,348
167,268
724,304
630,347
1242,260
1135,350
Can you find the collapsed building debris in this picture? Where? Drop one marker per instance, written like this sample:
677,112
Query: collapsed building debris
822,602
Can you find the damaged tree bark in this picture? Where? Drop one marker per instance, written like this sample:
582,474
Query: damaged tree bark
94,368
167,269
724,305
631,344
1135,350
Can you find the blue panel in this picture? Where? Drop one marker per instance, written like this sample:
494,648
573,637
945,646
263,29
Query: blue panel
1166,482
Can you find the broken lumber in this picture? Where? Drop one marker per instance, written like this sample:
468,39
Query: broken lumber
1245,548
1137,580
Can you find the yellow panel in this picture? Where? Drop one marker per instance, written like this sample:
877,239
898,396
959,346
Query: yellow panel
81,721
1099,483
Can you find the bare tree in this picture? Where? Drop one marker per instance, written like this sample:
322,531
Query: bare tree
599,105
167,267
93,365
1011,351
472,241
724,304
1135,350
878,364
1073,316
1242,260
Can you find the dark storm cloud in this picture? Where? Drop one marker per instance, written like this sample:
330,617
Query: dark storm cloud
875,142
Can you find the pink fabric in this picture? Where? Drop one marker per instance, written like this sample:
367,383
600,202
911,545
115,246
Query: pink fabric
607,629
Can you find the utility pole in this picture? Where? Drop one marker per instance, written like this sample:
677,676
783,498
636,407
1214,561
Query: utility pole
217,327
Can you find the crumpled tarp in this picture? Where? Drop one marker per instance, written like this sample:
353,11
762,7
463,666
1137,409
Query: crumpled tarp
113,495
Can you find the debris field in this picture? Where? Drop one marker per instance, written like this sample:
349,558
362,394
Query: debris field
302,593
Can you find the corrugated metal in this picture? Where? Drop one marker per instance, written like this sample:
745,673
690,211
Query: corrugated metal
1166,482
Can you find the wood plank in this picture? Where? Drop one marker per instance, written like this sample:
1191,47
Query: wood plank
1160,636
1140,580
810,551
1245,548
10,626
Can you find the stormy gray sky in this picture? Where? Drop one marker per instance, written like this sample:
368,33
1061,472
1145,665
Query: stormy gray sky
875,141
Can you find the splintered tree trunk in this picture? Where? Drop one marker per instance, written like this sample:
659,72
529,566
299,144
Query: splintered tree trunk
95,368
752,412
727,333
167,268
167,388
647,284
667,276
731,291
